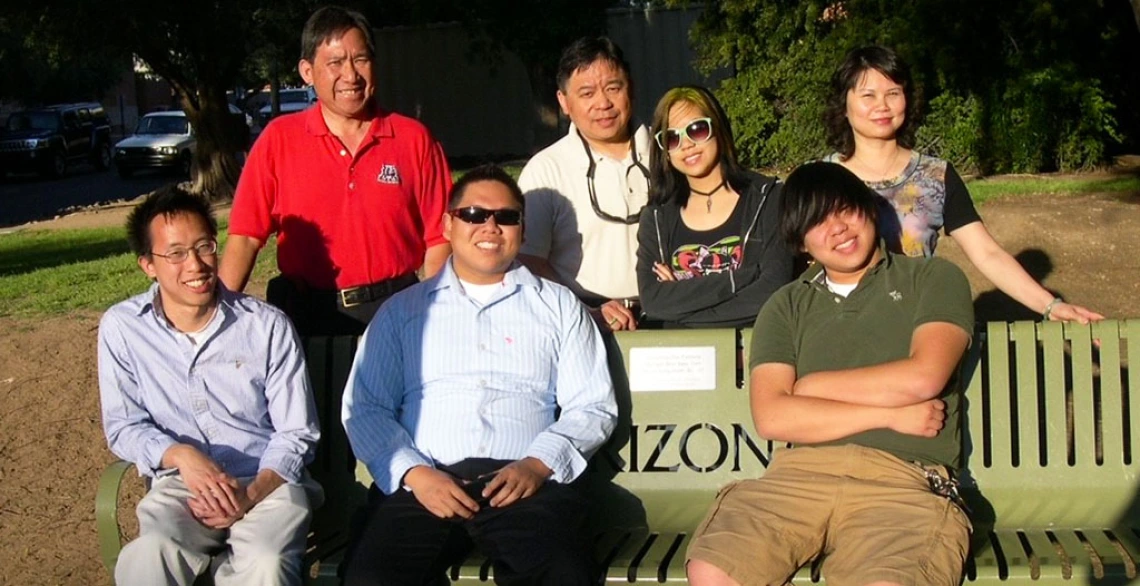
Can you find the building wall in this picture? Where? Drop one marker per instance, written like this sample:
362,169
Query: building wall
479,110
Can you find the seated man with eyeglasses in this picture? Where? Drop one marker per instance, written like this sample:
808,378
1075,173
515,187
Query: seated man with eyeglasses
476,399
585,192
205,391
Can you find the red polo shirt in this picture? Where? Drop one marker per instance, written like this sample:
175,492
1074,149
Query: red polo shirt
343,221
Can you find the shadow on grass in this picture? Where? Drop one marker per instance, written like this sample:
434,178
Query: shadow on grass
44,252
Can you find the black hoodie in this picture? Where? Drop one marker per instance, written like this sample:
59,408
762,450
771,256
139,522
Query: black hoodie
728,299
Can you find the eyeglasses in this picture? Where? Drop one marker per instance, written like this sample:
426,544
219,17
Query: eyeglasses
179,255
698,131
478,215
630,181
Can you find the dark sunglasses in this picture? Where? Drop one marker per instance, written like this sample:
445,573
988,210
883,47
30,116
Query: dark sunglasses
698,131
478,215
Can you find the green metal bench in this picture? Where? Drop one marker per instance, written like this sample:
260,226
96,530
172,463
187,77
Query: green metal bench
1050,451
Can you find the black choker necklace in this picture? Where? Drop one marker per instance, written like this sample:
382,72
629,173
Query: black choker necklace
708,194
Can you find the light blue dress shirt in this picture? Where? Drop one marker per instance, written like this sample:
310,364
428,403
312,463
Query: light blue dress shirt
241,396
439,378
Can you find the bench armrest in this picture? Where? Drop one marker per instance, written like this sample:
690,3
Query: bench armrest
107,512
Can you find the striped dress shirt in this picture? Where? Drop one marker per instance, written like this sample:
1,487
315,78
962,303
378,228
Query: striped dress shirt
241,396
439,378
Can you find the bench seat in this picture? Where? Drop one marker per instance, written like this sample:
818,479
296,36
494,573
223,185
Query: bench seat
1051,470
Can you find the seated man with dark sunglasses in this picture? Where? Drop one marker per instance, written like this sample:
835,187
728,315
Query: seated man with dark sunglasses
585,192
475,400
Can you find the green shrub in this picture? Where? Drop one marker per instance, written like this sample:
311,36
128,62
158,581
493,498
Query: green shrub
951,131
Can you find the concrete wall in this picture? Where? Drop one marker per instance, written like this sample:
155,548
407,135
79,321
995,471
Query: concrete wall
477,110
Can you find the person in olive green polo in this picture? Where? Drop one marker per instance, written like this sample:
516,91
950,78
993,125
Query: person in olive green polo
856,365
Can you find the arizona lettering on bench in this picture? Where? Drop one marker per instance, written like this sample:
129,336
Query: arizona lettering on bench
657,447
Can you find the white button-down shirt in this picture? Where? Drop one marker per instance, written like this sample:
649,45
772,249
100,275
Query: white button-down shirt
588,253
439,378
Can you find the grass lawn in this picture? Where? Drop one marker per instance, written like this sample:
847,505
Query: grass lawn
984,189
55,272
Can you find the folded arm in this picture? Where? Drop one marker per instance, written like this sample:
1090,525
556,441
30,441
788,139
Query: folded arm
674,300
783,416
935,350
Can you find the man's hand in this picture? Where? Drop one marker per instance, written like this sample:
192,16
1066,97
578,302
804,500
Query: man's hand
924,419
518,480
207,482
615,316
263,485
439,493
216,519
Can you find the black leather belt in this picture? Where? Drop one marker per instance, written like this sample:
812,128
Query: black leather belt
354,296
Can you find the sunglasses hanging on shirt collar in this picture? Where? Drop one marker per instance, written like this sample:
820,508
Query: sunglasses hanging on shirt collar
627,220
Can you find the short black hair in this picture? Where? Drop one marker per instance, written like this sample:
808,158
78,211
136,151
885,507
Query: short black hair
850,71
332,22
585,51
816,190
167,201
488,172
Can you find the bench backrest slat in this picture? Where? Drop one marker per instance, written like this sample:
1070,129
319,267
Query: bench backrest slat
1084,408
1024,377
1056,399
1113,446
1130,332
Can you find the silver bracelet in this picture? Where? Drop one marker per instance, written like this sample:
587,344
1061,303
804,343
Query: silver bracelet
1049,308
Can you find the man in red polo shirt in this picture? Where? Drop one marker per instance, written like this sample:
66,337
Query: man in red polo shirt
354,194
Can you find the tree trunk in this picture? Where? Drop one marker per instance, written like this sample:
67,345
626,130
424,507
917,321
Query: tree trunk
221,136
1136,12
274,90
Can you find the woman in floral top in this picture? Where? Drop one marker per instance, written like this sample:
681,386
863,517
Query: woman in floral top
869,124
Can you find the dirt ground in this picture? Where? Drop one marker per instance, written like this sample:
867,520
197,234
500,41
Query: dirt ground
52,450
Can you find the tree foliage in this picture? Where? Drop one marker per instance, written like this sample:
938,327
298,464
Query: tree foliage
1020,85
201,48
38,69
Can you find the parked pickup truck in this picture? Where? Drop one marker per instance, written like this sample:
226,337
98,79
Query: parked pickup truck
47,140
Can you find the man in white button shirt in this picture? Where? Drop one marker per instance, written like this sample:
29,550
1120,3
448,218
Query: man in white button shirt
585,192
476,399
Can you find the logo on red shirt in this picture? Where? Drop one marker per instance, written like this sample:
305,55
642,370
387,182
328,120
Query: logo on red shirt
389,174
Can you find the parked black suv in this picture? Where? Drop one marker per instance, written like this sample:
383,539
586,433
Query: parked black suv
48,139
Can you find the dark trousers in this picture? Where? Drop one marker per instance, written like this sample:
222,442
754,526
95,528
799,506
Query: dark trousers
534,541
319,313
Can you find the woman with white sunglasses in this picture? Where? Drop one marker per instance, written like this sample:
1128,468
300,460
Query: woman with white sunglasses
709,252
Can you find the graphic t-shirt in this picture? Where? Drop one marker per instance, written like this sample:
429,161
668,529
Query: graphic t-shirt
707,252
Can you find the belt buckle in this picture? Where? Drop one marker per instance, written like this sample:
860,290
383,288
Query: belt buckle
344,297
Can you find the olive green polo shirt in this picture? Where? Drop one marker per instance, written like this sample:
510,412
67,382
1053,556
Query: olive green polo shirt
813,329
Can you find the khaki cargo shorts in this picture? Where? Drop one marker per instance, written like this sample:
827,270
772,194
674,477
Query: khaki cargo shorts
872,515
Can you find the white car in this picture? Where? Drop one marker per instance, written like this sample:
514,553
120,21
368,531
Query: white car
292,100
163,140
